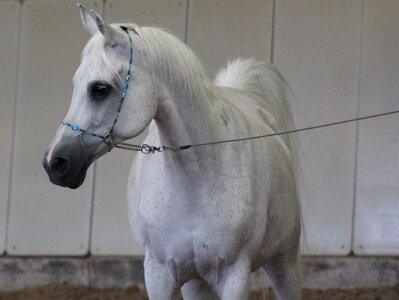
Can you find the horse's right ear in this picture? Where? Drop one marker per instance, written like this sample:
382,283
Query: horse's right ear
89,23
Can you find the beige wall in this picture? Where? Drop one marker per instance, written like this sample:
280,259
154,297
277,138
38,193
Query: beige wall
340,57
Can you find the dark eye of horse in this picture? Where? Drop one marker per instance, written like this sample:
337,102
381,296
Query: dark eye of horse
99,90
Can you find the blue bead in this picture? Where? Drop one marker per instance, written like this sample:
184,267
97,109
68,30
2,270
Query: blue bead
125,86
75,127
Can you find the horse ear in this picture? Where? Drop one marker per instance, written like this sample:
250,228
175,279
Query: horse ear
112,35
89,23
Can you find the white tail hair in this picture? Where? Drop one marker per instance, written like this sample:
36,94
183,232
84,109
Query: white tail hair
265,81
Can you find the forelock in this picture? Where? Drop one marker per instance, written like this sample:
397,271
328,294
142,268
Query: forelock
100,62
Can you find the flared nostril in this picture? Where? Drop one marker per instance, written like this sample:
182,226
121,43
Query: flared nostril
59,166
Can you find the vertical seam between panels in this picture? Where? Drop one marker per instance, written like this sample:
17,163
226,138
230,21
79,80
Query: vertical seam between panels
92,199
93,188
273,31
188,17
103,10
14,123
357,127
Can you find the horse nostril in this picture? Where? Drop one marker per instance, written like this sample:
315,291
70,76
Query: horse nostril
59,166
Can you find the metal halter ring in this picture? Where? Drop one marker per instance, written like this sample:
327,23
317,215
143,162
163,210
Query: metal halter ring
147,149
109,139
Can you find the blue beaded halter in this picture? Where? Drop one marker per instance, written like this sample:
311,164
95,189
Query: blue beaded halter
109,138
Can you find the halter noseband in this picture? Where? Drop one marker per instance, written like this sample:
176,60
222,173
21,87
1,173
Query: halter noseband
109,138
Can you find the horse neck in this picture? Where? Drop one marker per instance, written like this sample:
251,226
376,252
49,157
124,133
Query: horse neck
180,122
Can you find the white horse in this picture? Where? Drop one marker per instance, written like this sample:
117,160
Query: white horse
206,216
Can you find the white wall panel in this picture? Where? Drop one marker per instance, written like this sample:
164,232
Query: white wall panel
45,219
376,230
317,49
226,29
111,234
9,26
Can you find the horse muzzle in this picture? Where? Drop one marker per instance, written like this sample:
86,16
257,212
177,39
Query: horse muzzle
68,164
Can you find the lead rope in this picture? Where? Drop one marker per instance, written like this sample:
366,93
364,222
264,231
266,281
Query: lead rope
152,149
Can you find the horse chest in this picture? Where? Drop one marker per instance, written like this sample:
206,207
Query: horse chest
192,218
195,240
190,208
195,220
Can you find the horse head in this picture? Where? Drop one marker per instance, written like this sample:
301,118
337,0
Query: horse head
113,99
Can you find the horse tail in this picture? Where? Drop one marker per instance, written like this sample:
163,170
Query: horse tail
263,80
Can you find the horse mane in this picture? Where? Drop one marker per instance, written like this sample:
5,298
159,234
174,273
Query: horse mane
171,61
177,66
166,57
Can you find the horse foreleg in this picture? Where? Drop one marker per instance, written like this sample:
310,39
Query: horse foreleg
284,273
197,289
159,284
234,282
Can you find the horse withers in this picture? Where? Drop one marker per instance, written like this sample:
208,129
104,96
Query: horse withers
205,216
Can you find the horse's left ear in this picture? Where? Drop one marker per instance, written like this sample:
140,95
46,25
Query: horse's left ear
88,21
112,35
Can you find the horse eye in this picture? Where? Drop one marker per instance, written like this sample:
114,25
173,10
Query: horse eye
99,90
